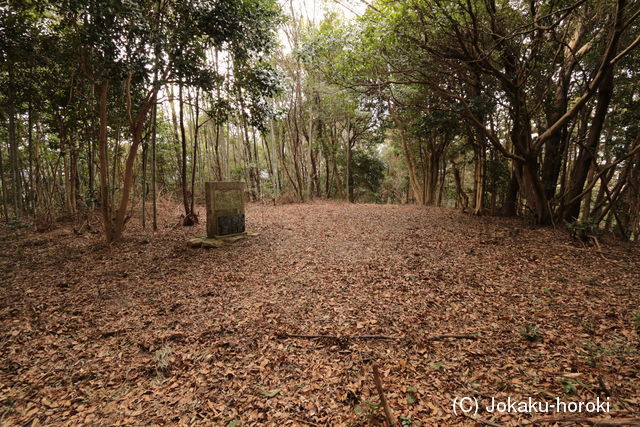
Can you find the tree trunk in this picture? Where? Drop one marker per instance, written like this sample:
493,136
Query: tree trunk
510,205
463,199
583,162
255,167
188,214
348,169
90,159
137,127
105,206
14,161
73,178
478,179
30,148
154,177
3,188
144,184
531,186
414,183
586,206
196,132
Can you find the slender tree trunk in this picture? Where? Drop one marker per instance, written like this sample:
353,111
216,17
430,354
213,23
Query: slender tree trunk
586,206
3,188
188,215
463,199
509,207
90,158
596,214
196,131
251,163
443,174
16,189
276,161
40,191
216,149
311,168
348,169
75,177
154,178
175,132
105,206
31,193
349,173
144,184
583,162
256,165
414,183
270,165
136,128
114,170
478,179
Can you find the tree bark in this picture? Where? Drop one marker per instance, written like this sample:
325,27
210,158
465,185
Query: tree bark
196,132
136,126
348,169
154,178
102,89
188,214
463,199
510,205
14,161
583,162
3,188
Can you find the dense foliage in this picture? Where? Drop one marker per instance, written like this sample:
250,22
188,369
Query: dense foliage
495,107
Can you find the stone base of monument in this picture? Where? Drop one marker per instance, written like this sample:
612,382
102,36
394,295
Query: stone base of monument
218,241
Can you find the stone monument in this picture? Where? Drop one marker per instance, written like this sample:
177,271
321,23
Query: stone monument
225,215
225,209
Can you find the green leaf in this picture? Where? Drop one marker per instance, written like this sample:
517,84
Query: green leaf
412,389
359,409
406,421
569,386
411,399
234,423
437,366
270,394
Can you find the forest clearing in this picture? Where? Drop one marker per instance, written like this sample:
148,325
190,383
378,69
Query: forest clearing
150,332
320,212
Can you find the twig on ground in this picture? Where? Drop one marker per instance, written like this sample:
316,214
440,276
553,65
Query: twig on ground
376,337
385,405
79,231
459,336
599,249
336,337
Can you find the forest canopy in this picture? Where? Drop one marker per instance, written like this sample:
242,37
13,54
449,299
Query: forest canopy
320,212
509,108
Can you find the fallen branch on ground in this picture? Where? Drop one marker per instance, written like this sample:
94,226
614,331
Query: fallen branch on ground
459,337
385,405
376,337
336,337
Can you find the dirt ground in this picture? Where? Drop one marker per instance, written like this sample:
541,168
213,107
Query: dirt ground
152,332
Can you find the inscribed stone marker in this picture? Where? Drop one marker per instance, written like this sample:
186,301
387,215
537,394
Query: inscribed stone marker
225,208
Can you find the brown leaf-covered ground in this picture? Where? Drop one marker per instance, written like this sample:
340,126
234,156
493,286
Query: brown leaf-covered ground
151,332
